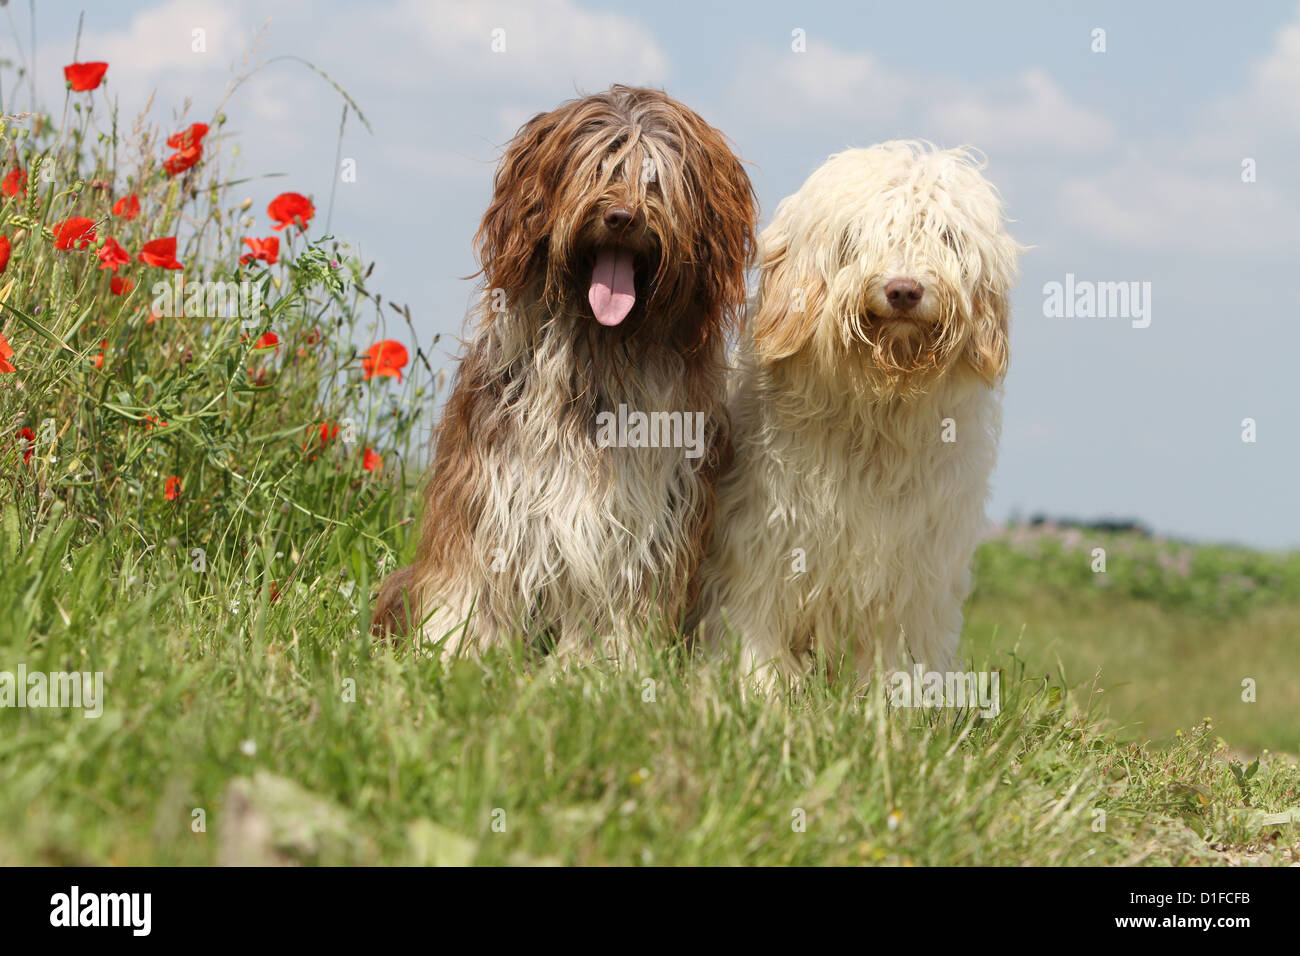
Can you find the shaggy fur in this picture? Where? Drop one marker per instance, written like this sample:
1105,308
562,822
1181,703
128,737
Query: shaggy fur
847,524
531,527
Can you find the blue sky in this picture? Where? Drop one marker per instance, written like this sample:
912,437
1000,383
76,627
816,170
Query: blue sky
1116,166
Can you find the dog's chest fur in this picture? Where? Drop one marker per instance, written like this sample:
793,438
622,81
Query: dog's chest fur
573,535
844,514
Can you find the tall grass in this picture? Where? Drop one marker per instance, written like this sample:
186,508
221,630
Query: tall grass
249,444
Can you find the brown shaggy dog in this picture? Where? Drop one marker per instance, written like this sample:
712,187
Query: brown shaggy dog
613,256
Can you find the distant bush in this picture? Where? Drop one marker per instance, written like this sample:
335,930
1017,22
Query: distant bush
1215,580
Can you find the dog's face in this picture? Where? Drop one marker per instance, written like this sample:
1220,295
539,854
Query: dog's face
625,211
892,261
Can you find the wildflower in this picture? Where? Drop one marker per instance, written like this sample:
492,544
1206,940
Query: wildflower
371,461
98,360
6,353
111,255
4,254
14,183
119,285
268,250
174,165
190,138
78,229
310,338
384,358
161,253
27,439
83,77
128,207
327,431
189,148
290,208
172,490
268,340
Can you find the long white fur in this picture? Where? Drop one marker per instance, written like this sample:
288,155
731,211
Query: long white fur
586,541
847,524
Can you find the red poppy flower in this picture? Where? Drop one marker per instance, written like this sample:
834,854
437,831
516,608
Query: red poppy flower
111,255
6,353
190,138
268,250
267,341
371,461
4,253
84,76
78,229
98,360
178,163
311,338
14,183
27,439
173,488
161,253
128,207
189,146
328,430
384,358
119,285
290,208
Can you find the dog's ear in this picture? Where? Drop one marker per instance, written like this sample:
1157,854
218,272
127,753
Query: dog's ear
519,216
987,350
790,297
722,200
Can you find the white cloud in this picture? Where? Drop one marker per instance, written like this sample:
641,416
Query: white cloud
545,41
829,80
1276,80
154,50
1144,204
1183,191
1031,114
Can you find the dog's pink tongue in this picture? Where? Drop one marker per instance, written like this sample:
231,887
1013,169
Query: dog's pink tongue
613,292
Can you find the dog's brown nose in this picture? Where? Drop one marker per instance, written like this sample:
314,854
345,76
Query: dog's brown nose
618,217
904,293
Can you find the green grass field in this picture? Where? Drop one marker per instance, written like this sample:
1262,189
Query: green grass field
198,505
299,741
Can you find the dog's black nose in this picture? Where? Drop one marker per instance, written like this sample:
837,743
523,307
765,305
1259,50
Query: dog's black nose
617,217
904,293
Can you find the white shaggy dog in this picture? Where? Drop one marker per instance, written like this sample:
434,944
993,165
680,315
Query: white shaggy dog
867,416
